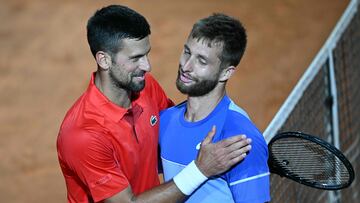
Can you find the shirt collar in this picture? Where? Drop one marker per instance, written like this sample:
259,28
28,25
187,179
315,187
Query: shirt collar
104,105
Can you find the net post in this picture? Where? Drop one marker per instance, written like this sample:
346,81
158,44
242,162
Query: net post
334,107
334,196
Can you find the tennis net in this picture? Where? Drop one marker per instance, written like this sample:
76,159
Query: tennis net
325,102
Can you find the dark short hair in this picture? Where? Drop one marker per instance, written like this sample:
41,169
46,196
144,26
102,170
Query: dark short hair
220,28
109,25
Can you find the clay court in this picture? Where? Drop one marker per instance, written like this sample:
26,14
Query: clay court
46,64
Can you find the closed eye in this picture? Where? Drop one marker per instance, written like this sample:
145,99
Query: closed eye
135,59
202,60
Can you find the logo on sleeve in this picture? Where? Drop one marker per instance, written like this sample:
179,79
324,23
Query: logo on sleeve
153,120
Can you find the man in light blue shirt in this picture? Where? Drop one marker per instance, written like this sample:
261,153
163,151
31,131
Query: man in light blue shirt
210,56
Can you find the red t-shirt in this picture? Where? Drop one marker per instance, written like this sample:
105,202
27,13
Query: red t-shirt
103,148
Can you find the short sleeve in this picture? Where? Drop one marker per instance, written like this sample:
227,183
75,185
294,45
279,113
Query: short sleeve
91,158
248,180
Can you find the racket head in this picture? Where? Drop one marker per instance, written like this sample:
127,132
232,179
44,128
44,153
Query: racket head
309,160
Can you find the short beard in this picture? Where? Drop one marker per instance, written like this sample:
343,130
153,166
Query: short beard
200,88
129,85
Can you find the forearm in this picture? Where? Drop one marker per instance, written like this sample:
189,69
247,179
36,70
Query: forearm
213,159
166,192
183,184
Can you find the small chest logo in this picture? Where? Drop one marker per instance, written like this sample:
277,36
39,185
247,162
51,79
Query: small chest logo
198,146
153,120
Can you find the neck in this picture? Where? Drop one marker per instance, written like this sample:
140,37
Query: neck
197,108
116,95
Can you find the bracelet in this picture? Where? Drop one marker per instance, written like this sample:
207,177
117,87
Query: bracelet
189,179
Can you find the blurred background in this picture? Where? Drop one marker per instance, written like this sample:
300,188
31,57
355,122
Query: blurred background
46,64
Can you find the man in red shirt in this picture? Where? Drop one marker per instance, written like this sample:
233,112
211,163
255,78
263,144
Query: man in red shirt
107,143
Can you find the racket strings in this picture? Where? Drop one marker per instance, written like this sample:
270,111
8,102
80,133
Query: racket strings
316,163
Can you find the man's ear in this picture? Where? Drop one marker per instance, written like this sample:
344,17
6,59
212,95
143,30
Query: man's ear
103,59
226,73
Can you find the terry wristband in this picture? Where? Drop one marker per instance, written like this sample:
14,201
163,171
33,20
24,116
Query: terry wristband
189,179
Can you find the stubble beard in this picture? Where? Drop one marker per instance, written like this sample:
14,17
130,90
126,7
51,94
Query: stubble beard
199,88
127,84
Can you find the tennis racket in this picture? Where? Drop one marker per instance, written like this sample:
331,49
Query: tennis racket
309,160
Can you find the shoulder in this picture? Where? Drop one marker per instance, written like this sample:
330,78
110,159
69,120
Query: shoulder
152,87
82,118
79,144
237,109
237,117
81,137
155,92
170,117
151,84
82,127
173,110
238,122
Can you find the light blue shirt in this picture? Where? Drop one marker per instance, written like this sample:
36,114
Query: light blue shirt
180,140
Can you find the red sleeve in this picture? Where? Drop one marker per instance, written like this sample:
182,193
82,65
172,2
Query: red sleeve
157,93
92,160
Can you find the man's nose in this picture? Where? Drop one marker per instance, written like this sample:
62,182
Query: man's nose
187,65
145,64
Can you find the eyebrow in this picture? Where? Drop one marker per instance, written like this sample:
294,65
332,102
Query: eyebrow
198,55
140,55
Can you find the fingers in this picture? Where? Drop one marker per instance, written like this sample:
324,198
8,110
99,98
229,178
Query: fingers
242,145
236,149
237,159
209,136
238,155
215,158
239,141
234,139
241,152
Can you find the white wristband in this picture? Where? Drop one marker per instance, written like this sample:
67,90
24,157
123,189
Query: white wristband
189,179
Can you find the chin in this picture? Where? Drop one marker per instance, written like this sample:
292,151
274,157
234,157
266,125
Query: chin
137,87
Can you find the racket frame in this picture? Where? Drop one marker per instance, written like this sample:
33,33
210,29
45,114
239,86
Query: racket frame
278,169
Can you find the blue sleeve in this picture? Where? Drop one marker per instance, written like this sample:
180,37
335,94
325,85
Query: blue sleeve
248,180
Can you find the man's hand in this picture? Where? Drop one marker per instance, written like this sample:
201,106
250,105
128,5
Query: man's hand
216,158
